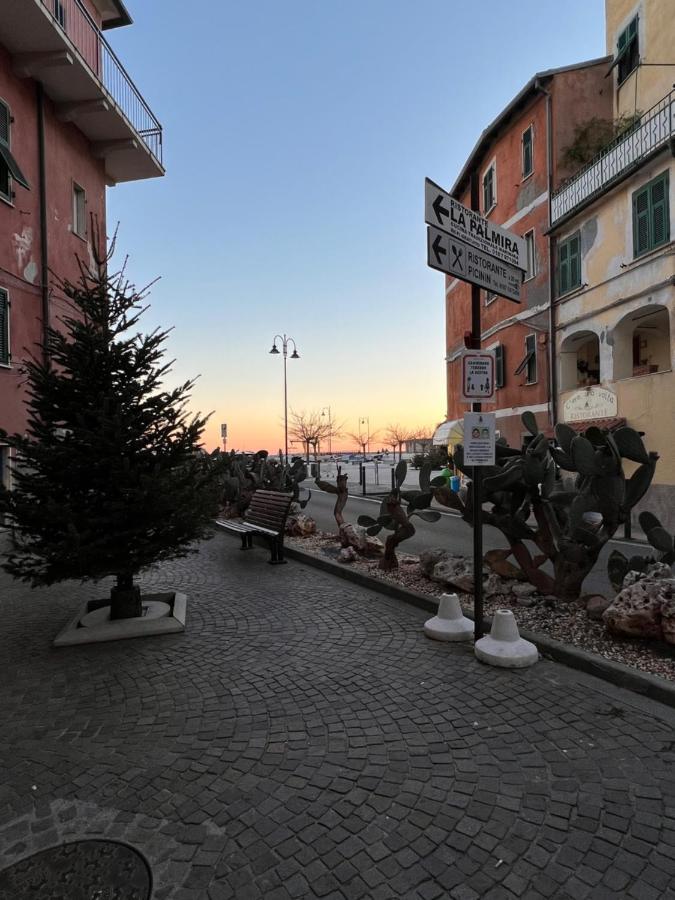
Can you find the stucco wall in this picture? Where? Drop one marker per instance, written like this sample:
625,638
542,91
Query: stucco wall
68,159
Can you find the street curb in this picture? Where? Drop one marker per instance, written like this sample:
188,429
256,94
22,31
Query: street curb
615,673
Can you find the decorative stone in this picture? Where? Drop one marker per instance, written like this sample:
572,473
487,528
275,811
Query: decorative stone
504,646
456,571
523,590
300,525
668,620
450,624
636,610
596,605
347,555
355,536
429,558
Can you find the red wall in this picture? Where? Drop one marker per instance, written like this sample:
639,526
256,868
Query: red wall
68,158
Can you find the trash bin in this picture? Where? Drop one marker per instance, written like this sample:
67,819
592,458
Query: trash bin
313,470
454,483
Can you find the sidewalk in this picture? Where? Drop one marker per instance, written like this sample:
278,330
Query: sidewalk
304,739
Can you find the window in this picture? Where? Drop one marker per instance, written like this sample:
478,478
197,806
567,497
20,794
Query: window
489,189
79,211
529,363
531,256
9,168
4,328
651,216
528,162
60,13
500,363
569,264
628,51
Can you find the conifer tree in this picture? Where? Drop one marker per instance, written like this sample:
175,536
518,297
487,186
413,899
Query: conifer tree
110,477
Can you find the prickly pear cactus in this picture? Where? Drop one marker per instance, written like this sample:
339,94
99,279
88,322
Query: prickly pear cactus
569,524
397,519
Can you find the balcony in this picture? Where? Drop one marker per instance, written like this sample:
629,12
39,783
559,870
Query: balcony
60,45
652,133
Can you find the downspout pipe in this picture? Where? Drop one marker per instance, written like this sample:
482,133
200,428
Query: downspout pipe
44,249
552,361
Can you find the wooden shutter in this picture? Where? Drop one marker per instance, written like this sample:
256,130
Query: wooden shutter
4,123
641,221
574,262
4,327
660,213
563,268
500,366
527,152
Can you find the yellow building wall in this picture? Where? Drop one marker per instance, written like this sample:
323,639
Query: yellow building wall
648,84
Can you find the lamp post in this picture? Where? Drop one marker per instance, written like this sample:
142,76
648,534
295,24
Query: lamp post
364,420
285,341
330,428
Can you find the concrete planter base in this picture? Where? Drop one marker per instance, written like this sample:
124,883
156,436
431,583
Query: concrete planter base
164,614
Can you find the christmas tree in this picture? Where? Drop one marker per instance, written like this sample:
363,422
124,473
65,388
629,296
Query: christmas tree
110,477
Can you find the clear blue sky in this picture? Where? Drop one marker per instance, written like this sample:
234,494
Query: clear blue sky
297,139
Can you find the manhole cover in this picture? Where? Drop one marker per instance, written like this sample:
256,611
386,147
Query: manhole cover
84,870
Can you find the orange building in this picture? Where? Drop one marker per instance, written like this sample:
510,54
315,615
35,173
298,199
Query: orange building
518,161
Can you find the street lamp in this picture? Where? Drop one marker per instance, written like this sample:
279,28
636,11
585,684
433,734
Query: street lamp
285,341
365,421
330,428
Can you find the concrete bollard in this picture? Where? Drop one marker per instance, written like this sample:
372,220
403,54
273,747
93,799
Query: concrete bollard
450,624
504,645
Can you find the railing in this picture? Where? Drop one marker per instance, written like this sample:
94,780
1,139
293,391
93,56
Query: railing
78,25
653,130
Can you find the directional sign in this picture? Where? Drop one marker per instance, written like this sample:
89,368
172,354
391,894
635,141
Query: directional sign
454,257
478,376
442,211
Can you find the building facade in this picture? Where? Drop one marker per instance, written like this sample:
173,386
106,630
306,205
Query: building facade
612,229
517,162
71,124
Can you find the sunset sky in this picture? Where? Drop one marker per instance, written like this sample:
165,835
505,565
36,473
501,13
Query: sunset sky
297,140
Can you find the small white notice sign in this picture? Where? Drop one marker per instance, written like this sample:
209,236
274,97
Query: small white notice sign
478,376
223,430
479,439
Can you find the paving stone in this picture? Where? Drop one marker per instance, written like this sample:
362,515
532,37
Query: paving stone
288,749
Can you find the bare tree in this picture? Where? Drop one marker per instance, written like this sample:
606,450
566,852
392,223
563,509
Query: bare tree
423,436
309,429
362,440
396,436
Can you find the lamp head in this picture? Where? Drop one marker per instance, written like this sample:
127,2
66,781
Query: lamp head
274,348
294,354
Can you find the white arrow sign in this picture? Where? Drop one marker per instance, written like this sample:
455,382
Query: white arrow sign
454,257
442,211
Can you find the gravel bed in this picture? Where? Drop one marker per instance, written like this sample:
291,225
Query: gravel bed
565,622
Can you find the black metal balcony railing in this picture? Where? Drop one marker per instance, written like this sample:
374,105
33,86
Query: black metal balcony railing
80,28
654,129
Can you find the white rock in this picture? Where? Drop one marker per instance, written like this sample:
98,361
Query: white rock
504,645
450,624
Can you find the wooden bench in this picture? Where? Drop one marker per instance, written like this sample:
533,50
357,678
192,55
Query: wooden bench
266,515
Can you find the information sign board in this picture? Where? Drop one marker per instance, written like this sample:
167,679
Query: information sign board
479,439
454,257
478,376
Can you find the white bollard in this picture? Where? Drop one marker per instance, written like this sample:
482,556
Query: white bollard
504,645
450,624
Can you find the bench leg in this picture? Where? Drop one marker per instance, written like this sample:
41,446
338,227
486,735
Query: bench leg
277,552
246,540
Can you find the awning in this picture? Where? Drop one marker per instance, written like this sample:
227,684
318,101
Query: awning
449,432
608,424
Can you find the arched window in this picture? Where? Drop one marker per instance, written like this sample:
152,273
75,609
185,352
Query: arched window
579,360
642,343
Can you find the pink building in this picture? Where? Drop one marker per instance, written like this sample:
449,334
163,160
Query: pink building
71,123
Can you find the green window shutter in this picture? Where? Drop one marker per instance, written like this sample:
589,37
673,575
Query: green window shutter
4,124
4,327
660,213
641,221
563,268
527,152
575,262
500,365
623,39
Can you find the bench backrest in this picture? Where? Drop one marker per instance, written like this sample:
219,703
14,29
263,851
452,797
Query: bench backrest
269,509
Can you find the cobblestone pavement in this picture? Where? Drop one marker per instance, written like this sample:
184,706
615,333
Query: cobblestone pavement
304,739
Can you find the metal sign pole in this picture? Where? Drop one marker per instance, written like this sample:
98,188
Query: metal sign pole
477,470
